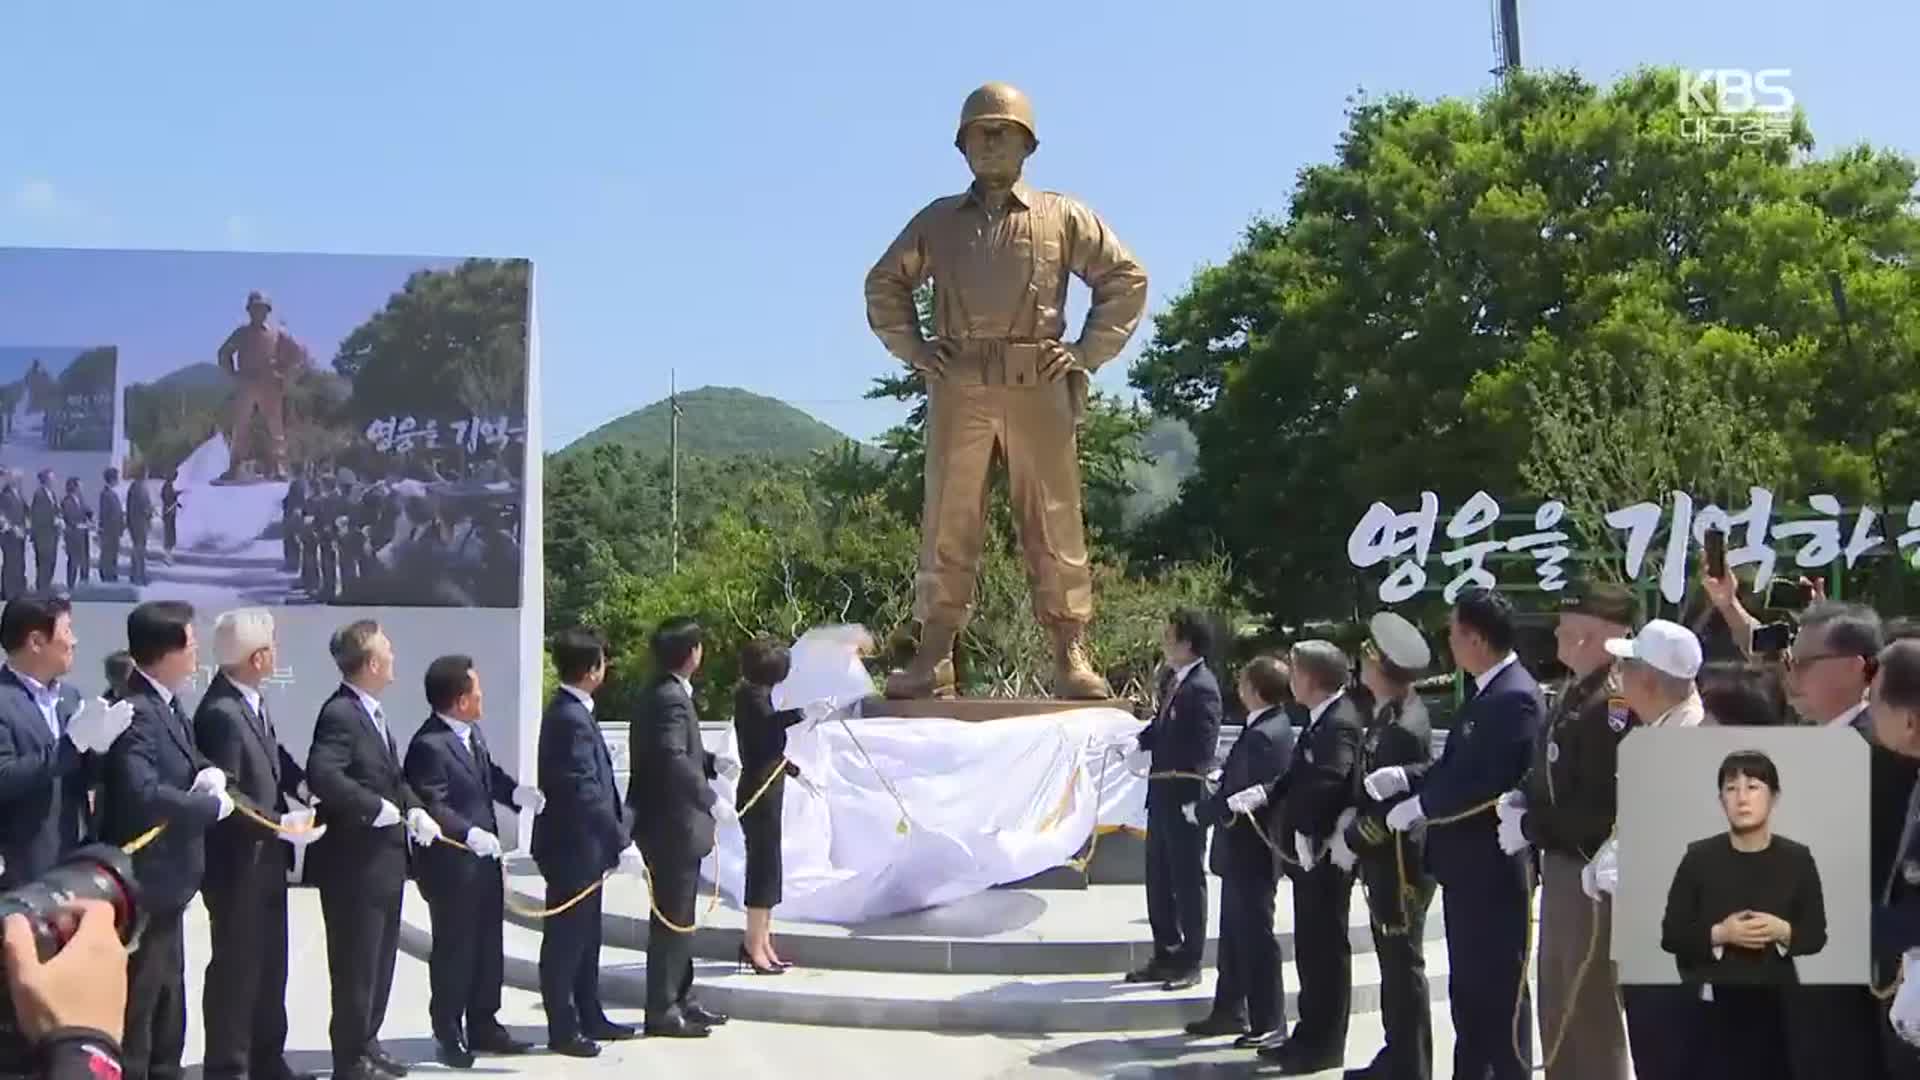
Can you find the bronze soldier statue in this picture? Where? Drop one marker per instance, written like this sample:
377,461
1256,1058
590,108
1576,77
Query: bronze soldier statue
999,373
263,359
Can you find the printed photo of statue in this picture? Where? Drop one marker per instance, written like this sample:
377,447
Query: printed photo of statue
56,424
299,429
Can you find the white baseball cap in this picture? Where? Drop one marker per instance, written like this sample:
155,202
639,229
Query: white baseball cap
1664,646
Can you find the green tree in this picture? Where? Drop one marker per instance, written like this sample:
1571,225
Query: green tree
449,343
1386,336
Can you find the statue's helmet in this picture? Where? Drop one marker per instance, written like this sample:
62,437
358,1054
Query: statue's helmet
256,299
996,101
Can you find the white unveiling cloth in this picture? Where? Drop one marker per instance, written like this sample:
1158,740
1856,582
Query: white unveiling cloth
986,803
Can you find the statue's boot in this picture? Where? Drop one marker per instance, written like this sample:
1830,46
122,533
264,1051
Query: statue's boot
1073,676
930,673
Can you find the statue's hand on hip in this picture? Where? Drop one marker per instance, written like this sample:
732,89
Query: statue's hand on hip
932,361
1061,360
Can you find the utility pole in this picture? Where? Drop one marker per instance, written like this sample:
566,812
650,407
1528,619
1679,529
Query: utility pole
673,452
1506,37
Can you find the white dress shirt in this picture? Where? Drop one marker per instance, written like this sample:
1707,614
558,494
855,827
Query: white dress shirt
166,692
1486,680
45,698
580,695
1847,717
371,706
461,730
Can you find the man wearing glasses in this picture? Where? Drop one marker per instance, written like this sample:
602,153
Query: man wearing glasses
1829,669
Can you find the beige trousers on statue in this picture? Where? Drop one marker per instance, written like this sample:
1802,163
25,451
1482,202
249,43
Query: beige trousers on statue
1595,1044
970,412
268,395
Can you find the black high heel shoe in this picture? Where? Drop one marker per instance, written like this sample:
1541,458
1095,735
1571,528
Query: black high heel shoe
746,963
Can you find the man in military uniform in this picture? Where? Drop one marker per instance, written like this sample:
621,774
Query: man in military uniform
45,513
113,523
13,536
78,519
293,506
998,373
262,359
1565,809
1392,867
139,524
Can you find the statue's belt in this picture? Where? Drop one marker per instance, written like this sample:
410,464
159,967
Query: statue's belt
1009,362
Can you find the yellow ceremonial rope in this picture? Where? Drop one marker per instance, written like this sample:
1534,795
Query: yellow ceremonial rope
901,826
779,768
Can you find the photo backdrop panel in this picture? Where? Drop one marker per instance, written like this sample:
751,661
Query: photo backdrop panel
298,429
1669,799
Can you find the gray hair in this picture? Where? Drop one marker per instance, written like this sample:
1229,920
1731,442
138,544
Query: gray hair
240,633
1321,661
352,646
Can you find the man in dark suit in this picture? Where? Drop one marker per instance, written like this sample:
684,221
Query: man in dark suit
13,536
449,767
157,776
1183,737
1317,787
1484,891
1391,865
361,866
579,839
292,506
673,826
48,740
139,524
75,515
113,522
244,998
45,515
1251,990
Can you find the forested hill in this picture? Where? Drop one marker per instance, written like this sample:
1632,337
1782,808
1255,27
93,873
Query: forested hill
717,422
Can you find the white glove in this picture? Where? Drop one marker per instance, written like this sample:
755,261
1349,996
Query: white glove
1247,800
1337,849
97,725
1905,1011
1512,839
209,781
815,711
297,828
422,827
305,794
1405,815
483,843
1303,848
1602,875
631,863
1139,762
1511,805
226,804
1187,811
528,797
1384,784
388,816
727,767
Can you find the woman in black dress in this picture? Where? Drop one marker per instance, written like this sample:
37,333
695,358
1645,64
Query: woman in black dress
170,511
762,736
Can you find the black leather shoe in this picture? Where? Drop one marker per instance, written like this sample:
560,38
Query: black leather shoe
1367,1073
1252,1040
1182,980
579,1047
384,1061
1215,1024
699,1014
497,1040
608,1031
362,1070
452,1053
1296,1060
1152,973
278,1070
676,1025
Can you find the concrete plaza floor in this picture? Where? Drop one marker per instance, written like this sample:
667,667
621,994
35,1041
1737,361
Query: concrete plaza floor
743,1049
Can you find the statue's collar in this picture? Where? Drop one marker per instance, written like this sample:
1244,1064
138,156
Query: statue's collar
1021,195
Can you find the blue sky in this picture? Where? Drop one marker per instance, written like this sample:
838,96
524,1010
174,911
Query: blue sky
167,310
17,361
703,186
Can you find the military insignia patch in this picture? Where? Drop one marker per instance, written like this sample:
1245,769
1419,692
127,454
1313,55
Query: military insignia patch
1618,715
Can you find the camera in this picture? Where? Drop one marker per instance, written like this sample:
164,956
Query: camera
1772,638
95,872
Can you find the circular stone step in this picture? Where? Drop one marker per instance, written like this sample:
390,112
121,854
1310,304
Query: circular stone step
1101,930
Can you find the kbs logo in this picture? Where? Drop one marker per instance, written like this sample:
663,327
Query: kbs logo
1718,104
